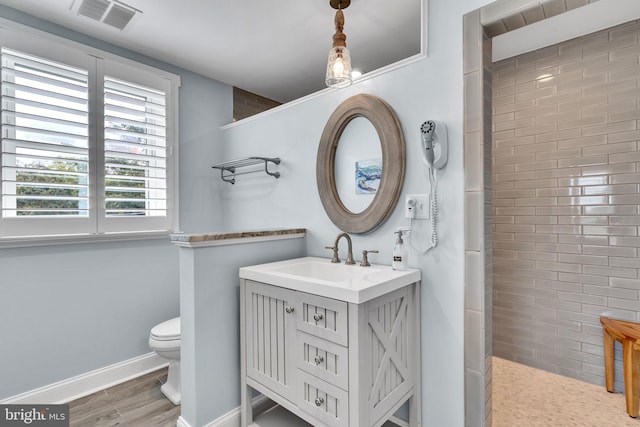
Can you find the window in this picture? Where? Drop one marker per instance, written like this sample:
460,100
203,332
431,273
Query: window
87,142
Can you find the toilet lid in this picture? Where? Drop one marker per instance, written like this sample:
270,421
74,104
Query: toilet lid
168,330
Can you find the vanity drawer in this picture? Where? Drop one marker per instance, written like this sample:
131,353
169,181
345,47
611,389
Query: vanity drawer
325,402
322,317
323,359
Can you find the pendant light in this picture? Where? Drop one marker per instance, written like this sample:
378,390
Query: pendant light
339,63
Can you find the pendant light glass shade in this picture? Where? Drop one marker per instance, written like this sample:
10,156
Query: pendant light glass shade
338,67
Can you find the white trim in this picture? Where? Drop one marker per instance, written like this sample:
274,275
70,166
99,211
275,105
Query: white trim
88,383
260,403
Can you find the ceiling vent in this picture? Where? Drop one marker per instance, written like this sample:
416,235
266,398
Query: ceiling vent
110,12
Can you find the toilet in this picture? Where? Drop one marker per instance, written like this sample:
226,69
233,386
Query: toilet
164,339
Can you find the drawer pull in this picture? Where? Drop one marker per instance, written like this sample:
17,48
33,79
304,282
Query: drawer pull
317,317
289,310
319,360
319,401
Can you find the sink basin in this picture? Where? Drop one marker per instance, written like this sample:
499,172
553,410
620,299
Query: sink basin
351,283
332,272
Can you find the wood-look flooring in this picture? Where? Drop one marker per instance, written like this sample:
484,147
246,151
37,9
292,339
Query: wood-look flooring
135,403
140,403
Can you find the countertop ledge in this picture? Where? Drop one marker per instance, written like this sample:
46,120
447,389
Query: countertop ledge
219,238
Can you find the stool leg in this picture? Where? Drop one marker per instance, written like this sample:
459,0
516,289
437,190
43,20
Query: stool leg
631,365
608,360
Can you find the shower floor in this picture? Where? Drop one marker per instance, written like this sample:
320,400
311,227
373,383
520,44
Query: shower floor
529,397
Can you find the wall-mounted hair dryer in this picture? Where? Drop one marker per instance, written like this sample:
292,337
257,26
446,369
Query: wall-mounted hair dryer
435,147
434,142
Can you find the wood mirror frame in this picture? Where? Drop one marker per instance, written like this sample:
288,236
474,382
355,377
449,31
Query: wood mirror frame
392,143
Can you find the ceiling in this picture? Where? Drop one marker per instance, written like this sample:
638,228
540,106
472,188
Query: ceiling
277,49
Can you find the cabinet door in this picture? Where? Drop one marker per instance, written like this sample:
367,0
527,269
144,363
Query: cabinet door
270,328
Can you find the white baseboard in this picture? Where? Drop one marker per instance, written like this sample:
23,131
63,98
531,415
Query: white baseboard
85,384
232,418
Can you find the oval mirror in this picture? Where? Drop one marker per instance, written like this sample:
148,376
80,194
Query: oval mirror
357,165
385,174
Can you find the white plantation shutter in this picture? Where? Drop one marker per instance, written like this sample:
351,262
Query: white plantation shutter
135,150
45,141
86,148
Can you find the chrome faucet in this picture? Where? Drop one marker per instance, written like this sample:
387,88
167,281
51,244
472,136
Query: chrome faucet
334,248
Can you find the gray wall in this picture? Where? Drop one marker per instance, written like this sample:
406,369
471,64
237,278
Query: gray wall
67,310
566,200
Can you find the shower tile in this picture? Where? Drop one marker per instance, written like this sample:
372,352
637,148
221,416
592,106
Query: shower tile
626,283
558,286
583,200
624,241
583,278
624,262
624,73
474,273
511,141
624,115
583,259
610,189
558,210
559,135
582,181
537,256
473,102
557,192
579,103
558,266
624,157
555,117
612,108
628,273
617,292
610,251
583,220
584,122
609,170
610,210
560,98
629,94
624,220
625,200
583,161
586,183
537,111
473,158
629,148
559,248
610,230
587,240
474,230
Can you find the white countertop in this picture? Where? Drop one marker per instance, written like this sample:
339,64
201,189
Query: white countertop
319,276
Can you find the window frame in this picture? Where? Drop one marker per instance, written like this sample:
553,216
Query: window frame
99,64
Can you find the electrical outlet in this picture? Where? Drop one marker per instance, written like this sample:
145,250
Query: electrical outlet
410,203
421,208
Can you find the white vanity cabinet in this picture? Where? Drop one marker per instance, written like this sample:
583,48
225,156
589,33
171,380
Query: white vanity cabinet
333,357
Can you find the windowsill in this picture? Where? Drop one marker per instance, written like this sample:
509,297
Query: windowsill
68,239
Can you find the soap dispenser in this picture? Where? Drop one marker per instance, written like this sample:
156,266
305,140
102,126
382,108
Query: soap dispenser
400,253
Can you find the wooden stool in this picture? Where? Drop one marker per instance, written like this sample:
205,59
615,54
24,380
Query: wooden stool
627,333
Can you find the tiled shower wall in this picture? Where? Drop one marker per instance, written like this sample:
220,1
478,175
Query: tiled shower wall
566,174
